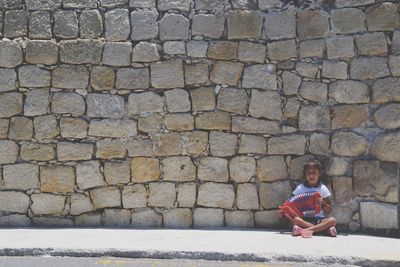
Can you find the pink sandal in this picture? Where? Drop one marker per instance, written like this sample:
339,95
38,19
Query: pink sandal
332,231
296,231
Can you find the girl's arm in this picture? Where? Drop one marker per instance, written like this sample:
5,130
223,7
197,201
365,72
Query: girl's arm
326,205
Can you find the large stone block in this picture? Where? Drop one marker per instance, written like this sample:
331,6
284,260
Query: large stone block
11,201
312,24
208,218
208,25
242,169
349,92
247,197
106,197
70,77
10,104
151,123
386,147
177,100
145,102
15,23
146,218
144,24
349,116
80,203
167,144
88,174
312,117
232,100
117,25
52,222
282,50
386,90
57,179
291,83
167,74
371,44
46,127
226,72
269,219
21,128
162,195
179,122
251,52
112,128
203,98
342,189
347,20
4,126
296,166
117,172
117,54
178,169
348,144
10,54
68,151
266,104
213,169
368,68
81,51
274,194
218,120
334,69
312,48
91,24
39,152
41,52
194,143
21,176
250,125
340,47
373,212
319,144
291,144
15,220
252,144
216,195
260,76
36,102
222,144
239,219
196,73
270,169
211,5
280,24
129,78
383,17
314,91
181,5
145,169
73,128
9,78
336,166
388,117
244,24
110,149
65,24
146,52
117,217
105,105
44,203
223,50
174,27
177,218
140,147
134,196
40,25
88,220
186,195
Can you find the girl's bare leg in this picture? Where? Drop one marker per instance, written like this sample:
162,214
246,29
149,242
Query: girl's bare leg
325,224
301,223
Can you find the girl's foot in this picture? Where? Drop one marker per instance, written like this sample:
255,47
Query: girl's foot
332,231
296,231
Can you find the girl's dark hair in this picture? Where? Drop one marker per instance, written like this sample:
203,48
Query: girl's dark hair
313,163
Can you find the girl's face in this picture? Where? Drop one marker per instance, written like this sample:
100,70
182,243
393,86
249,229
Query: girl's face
312,176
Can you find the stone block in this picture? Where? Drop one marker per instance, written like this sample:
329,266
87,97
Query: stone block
383,17
334,69
280,24
88,220
203,98
178,169
73,128
242,169
15,220
15,23
211,5
347,3
216,195
260,76
272,168
194,143
66,24
347,20
80,203
340,47
112,128
208,25
32,76
186,195
105,105
114,3
314,91
145,169
312,24
309,70
91,24
342,189
151,123
174,27
21,176
196,73
106,197
44,203
70,77
349,92
291,144
244,24
11,201
222,144
140,147
102,78
162,195
146,218
68,151
57,179
368,68
117,217
117,172
128,78
36,102
282,50
52,222
46,127
312,48
146,52
110,149
385,90
395,47
239,219
40,25
81,51
218,120
313,117
10,54
41,52
208,218
88,174
371,44
252,144
177,218
251,52
319,144
134,196
250,125
388,116
394,65
274,194
174,47
167,144
213,169
232,100
223,50
348,144
349,116
8,78
291,109
117,25
117,53
266,104
39,152
247,197
177,100
385,147
197,49
181,5
269,219
144,24
336,166
373,212
226,72
10,104
46,5
21,128
4,125
167,74
291,83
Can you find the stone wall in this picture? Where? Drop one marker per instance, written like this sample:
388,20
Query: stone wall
196,113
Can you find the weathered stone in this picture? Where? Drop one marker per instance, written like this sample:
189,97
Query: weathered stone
366,68
88,174
57,179
145,169
21,128
242,168
8,78
39,152
10,54
117,217
68,103
174,47
239,219
167,74
4,126
73,128
347,3
386,90
41,52
270,169
144,24
312,117
117,53
291,83
244,24
211,5
213,169
251,52
177,218
265,104
216,195
312,48
296,166
43,5
47,204
15,23
336,166
197,49
15,220
79,4
36,102
174,27
395,48
134,196
292,144
280,25
252,144
162,195
274,194
102,78
291,109
251,125
388,117
70,77
224,50
386,147
117,172
178,169
105,105
65,24
282,50
371,44
348,144
373,212
181,5
167,144
260,76
314,91
349,92
91,24
226,72
222,144
21,176
186,195
342,189
196,73
67,151
203,98
347,20
146,52
334,69
110,149
247,197
394,65
115,3
128,78
117,26
177,100
146,218
208,25
52,222
11,201
81,51
349,116
40,25
45,127
112,128
340,47
309,70
207,218
269,219
88,220
151,123
319,144
232,100
312,24
32,76
218,120
10,104
140,147
383,17
80,203
194,143
106,197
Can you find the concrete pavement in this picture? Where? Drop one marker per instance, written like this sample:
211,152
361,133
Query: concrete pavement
219,244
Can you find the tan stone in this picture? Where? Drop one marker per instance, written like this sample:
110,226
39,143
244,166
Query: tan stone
223,144
336,166
342,189
242,168
274,194
266,104
213,121
140,147
252,144
196,73
57,179
162,195
179,122
216,195
178,169
348,144
112,128
290,144
74,151
117,172
247,197
177,218
167,144
106,197
194,142
319,144
224,50
151,123
9,151
88,220
239,219
10,104
4,123
21,128
73,128
186,195
232,100
20,176
102,78
226,72
251,125
203,98
110,149
46,127
80,203
134,196
145,169
11,201
213,169
388,116
349,116
271,169
44,203
39,152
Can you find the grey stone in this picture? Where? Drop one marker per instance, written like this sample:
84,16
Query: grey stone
186,195
21,128
349,116
102,78
39,152
57,179
340,47
104,105
260,76
145,102
21,176
208,218
222,144
144,24
232,100
244,24
349,92
91,24
10,4
36,102
314,91
146,52
366,68
251,52
174,27
383,17
336,166
117,172
394,64
8,78
113,3
142,3
52,222
213,169
88,220
167,74
334,69
151,123
128,78
386,147
162,195
274,194
174,47
211,5
117,217
266,104
117,53
10,54
252,144
291,144
46,127
313,117
272,168
371,44
312,24
194,143
106,197
247,197
68,151
66,24
296,166
178,169
282,50
388,117
203,98
208,25
134,196
396,43
251,125
309,70
239,219
347,3
385,90
15,220
226,72
177,100
181,5
197,49
41,52
10,104
32,76
348,144
79,4
146,218
68,103
177,218
81,51
167,144
216,195
280,25
110,149
347,20
4,123
117,26
312,48
213,121
196,73
224,50
112,128
373,212
15,23
242,168
73,128
80,203
140,147
267,4
40,25
291,83
319,144
269,219
44,203
43,5
70,77
11,201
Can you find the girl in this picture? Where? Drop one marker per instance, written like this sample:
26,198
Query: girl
318,223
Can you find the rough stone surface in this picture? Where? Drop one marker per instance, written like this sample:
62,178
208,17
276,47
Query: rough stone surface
247,197
177,218
292,144
270,169
242,168
386,147
11,201
383,17
177,100
260,76
250,125
21,176
167,74
45,127
110,149
314,91
266,105
44,203
129,78
68,151
371,44
312,24
208,25
105,197
349,116
174,27
144,24
80,203
88,174
349,92
244,24
162,195
57,179
104,105
216,195
66,24
348,20
348,144
112,128
70,77
81,51
178,169
368,68
251,52
21,128
134,196
208,218
312,117
239,219
39,152
117,172
213,121
252,144
146,218
117,26
145,169
274,194
372,213
232,100
340,47
41,52
213,169
225,72
146,52
386,90
388,116
203,98
10,54
117,53
167,144
280,25
10,104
